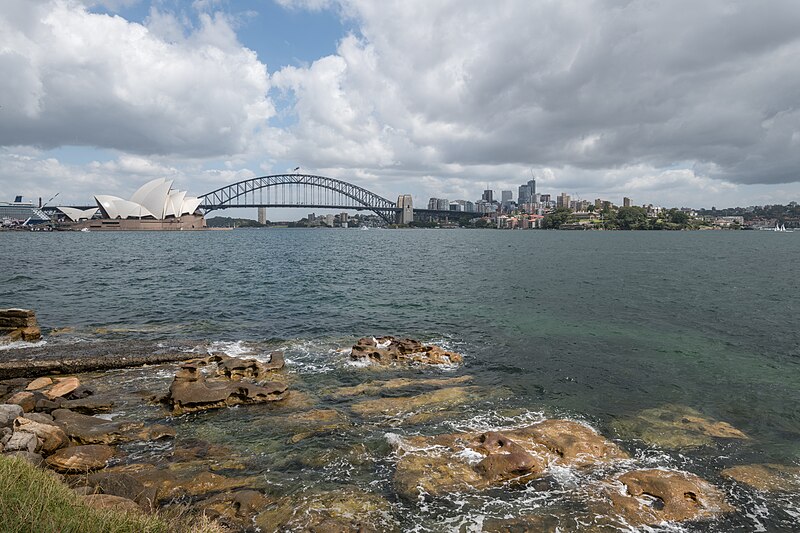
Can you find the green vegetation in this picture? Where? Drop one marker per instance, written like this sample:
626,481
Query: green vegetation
558,218
228,222
33,500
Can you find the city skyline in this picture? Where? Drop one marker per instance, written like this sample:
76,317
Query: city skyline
102,96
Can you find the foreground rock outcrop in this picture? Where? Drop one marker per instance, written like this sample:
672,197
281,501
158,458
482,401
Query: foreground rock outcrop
432,466
226,385
766,477
653,496
393,351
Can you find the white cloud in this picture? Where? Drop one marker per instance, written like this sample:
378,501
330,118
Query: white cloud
461,88
81,78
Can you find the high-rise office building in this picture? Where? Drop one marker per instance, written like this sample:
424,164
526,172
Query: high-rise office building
562,200
626,202
488,196
506,196
532,186
523,195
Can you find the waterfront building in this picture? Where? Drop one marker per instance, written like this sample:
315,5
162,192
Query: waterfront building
442,204
469,206
77,215
329,219
432,203
563,200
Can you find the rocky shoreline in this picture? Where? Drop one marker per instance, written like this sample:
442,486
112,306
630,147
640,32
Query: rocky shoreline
64,423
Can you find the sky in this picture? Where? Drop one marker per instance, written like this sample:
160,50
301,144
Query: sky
679,103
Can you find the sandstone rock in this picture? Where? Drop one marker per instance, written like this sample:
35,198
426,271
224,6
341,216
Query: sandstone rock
191,391
573,443
237,368
119,484
234,509
375,387
63,387
428,401
345,510
391,350
76,459
153,432
88,406
25,399
51,437
310,423
42,418
766,477
432,466
31,333
108,501
33,458
526,524
22,441
44,405
650,497
85,429
9,413
39,383
676,426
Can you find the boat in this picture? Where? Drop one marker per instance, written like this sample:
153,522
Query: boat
85,229
364,228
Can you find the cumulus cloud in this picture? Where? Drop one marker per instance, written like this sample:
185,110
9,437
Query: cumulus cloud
571,85
82,78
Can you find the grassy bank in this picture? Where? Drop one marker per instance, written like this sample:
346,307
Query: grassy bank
33,500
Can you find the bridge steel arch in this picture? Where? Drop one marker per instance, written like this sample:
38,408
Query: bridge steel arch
304,190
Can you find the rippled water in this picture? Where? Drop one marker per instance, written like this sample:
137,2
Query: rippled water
594,326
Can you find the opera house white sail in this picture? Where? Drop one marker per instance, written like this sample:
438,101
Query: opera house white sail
76,215
155,199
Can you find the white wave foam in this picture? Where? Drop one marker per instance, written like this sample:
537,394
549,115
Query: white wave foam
22,345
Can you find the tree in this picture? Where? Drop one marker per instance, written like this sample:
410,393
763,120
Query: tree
555,219
633,217
678,217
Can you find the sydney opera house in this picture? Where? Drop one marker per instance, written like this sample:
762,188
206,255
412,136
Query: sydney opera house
155,206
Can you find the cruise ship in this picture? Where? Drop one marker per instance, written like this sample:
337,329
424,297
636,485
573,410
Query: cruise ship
21,213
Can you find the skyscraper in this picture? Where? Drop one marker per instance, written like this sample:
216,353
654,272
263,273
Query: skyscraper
524,195
532,186
488,195
506,196
626,202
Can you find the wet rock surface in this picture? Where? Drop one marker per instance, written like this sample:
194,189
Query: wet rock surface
393,351
675,427
432,466
653,496
345,510
766,477
439,399
192,390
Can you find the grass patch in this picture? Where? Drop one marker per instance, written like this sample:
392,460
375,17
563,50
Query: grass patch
33,500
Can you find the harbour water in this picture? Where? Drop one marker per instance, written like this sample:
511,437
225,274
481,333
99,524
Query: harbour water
591,326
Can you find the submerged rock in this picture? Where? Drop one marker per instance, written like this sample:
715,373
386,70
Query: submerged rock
372,388
676,426
192,391
76,459
650,497
392,351
432,466
766,477
428,401
234,509
345,510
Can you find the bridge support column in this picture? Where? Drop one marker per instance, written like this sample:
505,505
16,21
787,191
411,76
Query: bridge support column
262,215
406,215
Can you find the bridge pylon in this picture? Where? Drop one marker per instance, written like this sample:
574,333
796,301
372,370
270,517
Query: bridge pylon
405,204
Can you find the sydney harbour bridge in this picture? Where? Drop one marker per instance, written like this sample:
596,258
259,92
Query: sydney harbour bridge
305,190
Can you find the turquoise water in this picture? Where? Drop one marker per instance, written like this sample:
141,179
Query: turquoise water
591,325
